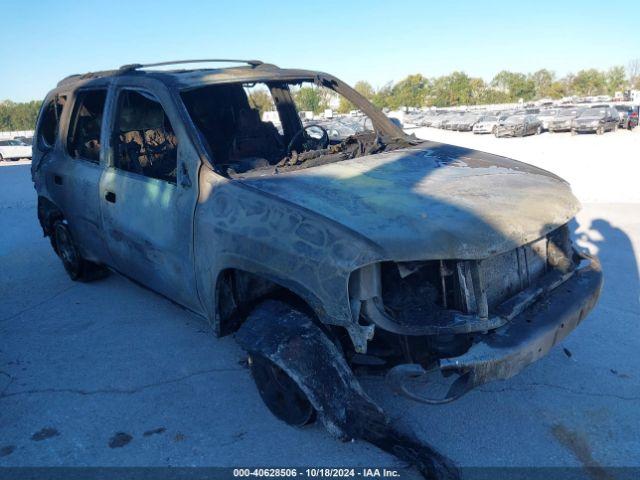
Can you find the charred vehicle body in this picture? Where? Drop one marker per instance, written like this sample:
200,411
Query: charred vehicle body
405,257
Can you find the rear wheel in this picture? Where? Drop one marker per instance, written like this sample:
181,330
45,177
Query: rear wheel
76,266
280,393
1,157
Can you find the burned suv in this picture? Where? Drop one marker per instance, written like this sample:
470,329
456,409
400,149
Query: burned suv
323,256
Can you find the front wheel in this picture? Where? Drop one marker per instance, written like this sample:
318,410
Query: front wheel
282,396
599,131
538,130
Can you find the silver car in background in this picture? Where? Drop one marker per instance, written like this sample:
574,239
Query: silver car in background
562,121
519,126
488,123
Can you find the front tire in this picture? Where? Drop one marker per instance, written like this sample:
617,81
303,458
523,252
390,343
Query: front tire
538,130
280,393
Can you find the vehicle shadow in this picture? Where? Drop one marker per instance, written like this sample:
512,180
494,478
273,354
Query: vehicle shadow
615,250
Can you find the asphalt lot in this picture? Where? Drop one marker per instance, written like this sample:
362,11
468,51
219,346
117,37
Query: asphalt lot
110,374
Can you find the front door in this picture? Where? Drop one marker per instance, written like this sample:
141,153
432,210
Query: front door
147,207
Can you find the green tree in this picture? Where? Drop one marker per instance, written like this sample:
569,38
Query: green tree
363,88
310,99
261,100
516,85
409,92
589,82
18,116
456,89
382,97
616,80
543,81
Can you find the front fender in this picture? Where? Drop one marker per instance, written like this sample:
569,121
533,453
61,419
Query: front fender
239,227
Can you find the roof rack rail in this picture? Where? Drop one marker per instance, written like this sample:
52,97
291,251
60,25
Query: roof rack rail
136,66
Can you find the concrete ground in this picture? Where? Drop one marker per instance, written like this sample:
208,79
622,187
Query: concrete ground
110,374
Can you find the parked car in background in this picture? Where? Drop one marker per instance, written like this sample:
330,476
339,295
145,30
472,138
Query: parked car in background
488,123
634,117
467,121
25,140
14,150
628,116
545,116
596,119
519,126
623,115
563,118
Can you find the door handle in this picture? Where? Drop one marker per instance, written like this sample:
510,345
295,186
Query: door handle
57,179
110,197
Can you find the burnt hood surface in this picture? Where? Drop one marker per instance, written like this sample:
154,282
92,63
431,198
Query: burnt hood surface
433,201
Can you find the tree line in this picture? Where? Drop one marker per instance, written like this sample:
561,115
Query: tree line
416,90
458,88
18,116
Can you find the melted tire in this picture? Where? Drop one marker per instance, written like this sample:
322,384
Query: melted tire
280,393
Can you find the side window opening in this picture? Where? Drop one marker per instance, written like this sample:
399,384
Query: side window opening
84,136
50,121
239,123
146,143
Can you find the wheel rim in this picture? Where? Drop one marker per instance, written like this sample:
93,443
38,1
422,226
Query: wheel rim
280,393
67,250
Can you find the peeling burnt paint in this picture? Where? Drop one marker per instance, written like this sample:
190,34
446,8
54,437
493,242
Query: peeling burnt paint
294,343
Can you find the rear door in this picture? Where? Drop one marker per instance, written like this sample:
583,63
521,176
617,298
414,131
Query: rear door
148,192
73,170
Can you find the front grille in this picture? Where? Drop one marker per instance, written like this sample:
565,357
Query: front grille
506,274
413,291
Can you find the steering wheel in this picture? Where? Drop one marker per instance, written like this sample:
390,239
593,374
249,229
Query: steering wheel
310,137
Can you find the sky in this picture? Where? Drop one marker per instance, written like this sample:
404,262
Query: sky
378,41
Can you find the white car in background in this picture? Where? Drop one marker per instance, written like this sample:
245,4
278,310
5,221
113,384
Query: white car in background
14,150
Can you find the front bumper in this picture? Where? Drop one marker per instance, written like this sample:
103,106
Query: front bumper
509,132
585,128
526,338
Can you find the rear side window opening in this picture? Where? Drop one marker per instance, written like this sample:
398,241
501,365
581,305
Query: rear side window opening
83,141
50,122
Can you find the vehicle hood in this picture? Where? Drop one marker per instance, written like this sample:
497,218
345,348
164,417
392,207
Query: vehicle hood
431,201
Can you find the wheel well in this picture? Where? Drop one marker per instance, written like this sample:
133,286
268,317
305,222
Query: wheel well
238,292
48,214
